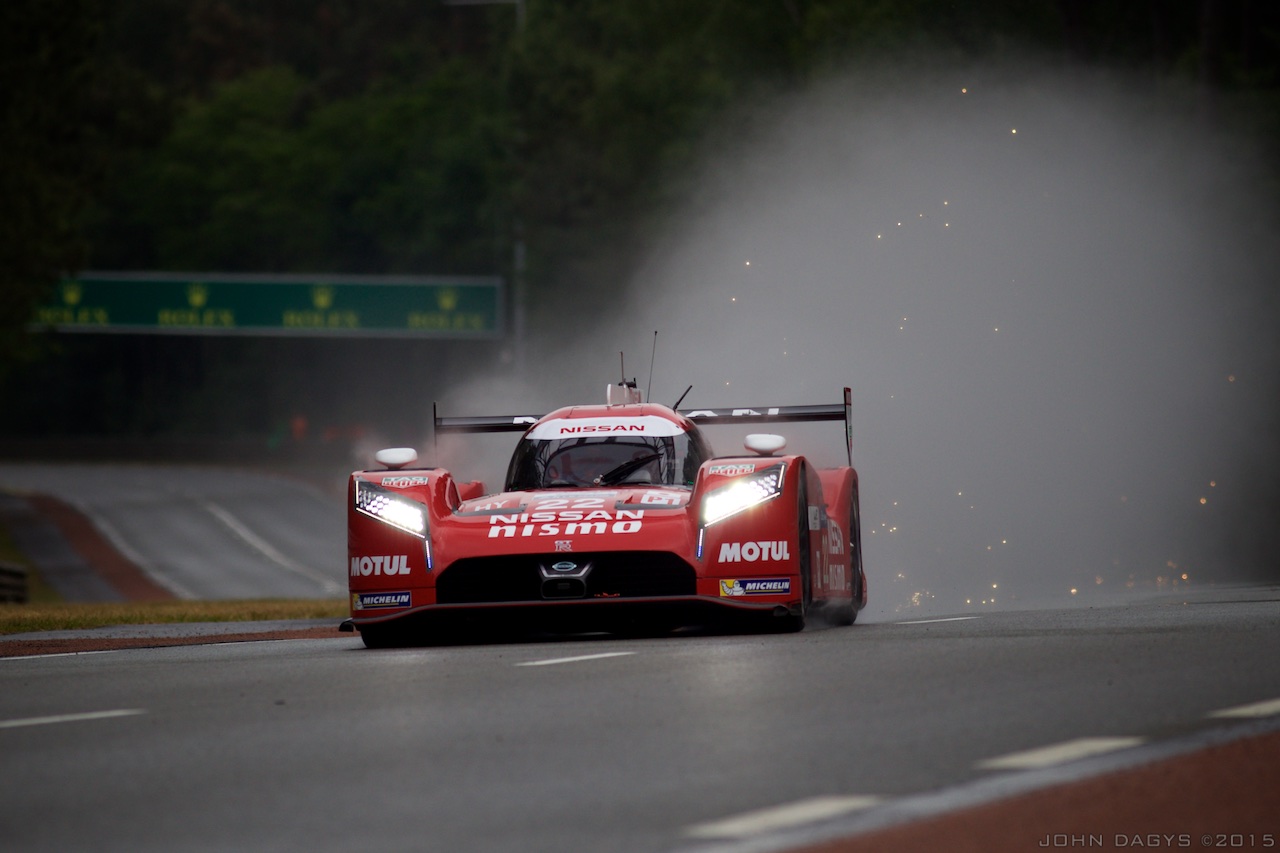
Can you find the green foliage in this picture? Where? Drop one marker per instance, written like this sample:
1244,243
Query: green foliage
264,176
45,73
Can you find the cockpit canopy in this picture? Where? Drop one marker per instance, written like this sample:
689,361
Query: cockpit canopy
588,452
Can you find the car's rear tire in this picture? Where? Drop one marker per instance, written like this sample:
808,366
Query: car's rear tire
847,615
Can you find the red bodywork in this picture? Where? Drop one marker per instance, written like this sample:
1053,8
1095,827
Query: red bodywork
425,551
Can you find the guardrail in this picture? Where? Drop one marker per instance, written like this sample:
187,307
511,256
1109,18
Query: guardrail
13,583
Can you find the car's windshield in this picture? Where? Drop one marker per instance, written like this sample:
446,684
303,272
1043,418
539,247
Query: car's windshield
669,460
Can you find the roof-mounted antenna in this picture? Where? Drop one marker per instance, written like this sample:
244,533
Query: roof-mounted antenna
648,392
682,396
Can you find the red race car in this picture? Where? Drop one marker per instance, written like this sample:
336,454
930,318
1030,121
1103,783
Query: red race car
613,517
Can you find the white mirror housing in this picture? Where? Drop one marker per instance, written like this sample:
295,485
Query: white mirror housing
396,457
765,444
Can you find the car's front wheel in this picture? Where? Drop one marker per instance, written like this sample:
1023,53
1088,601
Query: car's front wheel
382,636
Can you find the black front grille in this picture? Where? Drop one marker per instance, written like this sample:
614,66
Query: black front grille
620,574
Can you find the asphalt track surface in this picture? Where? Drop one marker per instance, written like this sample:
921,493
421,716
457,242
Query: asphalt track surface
1145,723
704,743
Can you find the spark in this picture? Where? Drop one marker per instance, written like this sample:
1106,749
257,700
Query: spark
1074,590
964,90
748,263
1203,501
1231,378
1014,130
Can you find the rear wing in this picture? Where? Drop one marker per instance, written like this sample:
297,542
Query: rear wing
709,417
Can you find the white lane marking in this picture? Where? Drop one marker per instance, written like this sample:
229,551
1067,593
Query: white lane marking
69,718
60,654
1059,753
553,661
931,621
781,817
266,549
1255,709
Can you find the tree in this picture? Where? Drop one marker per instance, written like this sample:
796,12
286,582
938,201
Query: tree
47,162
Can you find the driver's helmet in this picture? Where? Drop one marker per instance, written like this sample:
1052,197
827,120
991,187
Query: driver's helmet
588,461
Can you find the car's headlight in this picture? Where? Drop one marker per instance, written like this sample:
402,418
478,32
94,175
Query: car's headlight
391,508
743,493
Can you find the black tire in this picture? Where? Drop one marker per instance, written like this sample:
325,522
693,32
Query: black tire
849,614
382,636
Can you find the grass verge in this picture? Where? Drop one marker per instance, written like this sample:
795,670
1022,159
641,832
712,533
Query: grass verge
22,618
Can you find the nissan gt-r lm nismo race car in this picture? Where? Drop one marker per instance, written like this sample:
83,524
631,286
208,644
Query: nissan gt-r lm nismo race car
613,517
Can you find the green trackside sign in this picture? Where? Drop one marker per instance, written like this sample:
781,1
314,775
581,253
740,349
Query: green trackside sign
297,305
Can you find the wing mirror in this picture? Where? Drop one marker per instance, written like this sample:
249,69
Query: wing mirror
765,444
396,457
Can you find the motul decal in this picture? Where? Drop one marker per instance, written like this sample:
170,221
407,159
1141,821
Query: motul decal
769,551
392,565
754,586
380,600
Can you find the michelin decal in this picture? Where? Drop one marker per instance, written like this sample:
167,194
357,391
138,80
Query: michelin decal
734,588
